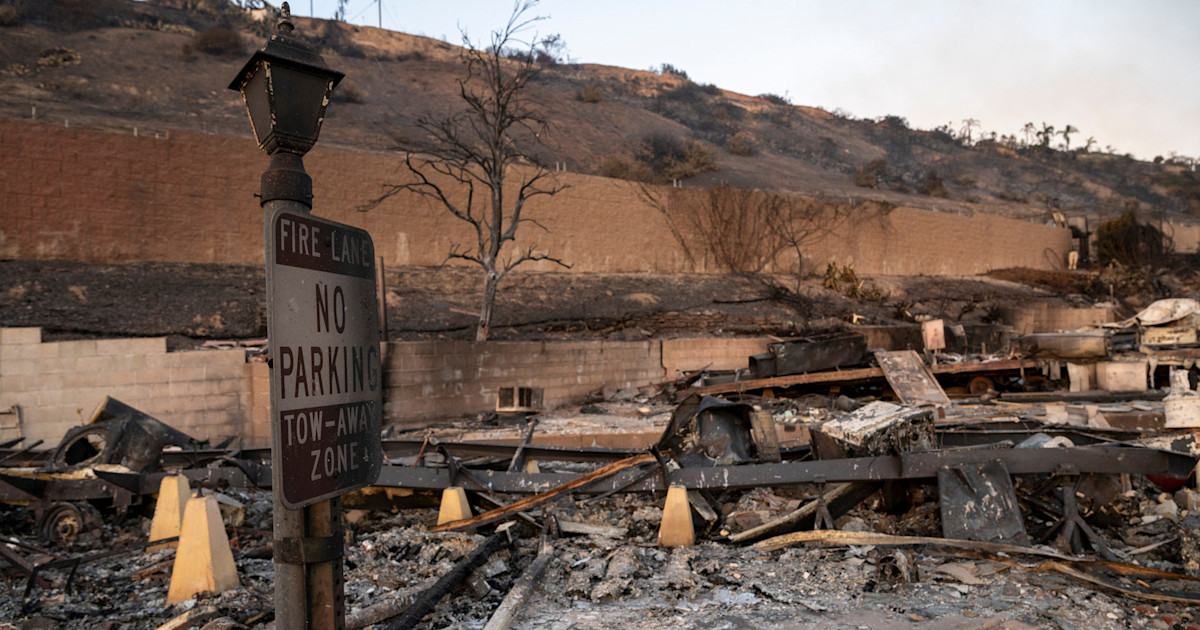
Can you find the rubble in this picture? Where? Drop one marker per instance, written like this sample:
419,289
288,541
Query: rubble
910,493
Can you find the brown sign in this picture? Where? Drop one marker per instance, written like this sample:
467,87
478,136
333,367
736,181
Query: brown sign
326,369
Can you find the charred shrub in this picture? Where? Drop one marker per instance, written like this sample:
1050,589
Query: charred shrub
870,174
775,99
662,158
1131,244
348,92
589,93
667,68
9,15
627,167
692,93
933,185
58,57
741,143
219,41
672,157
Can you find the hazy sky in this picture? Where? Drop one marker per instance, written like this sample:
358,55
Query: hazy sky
1121,72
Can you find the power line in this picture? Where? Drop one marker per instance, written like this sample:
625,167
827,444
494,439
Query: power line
364,10
392,19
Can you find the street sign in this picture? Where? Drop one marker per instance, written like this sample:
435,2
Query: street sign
326,369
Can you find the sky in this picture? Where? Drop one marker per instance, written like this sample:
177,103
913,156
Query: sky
1123,73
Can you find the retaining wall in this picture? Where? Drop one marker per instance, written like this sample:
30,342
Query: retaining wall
94,196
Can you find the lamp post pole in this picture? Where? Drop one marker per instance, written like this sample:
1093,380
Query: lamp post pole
286,87
308,542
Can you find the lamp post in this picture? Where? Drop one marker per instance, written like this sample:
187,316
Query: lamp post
286,87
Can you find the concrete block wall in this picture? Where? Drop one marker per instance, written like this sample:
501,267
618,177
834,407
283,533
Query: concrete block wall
684,355
59,385
95,196
428,380
212,394
1185,238
1040,317
909,241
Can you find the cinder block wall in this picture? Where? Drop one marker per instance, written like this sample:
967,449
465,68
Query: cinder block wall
212,394
683,355
58,385
1040,317
93,196
439,379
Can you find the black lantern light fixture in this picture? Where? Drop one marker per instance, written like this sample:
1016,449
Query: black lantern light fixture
286,86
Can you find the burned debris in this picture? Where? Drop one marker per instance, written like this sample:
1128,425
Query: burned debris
874,487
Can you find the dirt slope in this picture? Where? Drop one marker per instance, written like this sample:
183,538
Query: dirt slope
142,64
189,303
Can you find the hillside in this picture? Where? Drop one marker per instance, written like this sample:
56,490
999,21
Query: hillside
121,64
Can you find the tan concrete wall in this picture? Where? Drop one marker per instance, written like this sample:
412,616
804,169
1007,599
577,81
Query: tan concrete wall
216,393
684,355
440,379
1040,317
910,242
1185,238
79,194
59,385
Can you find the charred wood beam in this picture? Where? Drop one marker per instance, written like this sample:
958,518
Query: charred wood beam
518,458
428,600
970,438
531,451
840,499
513,602
1081,397
16,454
861,374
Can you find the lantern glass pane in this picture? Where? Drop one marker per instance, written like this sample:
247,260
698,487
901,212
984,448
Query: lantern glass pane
299,101
258,104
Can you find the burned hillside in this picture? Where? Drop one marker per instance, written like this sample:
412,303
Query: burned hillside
127,64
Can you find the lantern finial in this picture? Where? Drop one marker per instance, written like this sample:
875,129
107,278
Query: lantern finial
285,19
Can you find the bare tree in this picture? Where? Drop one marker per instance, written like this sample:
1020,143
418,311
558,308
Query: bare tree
478,163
